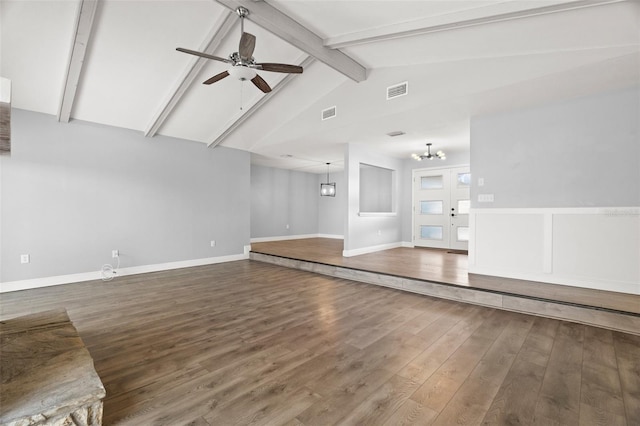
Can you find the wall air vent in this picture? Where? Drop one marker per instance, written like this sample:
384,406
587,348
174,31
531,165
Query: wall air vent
328,113
396,133
397,90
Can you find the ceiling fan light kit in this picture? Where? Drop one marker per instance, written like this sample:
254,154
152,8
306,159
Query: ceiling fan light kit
242,63
428,155
242,73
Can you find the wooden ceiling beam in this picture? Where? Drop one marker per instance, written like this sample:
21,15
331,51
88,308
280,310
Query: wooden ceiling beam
426,26
276,22
84,23
211,43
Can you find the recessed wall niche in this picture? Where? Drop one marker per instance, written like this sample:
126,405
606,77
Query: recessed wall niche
376,189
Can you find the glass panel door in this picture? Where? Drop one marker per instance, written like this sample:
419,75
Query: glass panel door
441,208
429,232
432,205
460,204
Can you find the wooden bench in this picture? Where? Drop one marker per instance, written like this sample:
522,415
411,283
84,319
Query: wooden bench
47,374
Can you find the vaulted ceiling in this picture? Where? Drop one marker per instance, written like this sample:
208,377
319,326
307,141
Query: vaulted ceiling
114,62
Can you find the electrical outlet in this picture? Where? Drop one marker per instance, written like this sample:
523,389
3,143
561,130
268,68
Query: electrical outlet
480,181
115,253
24,258
287,226
379,232
213,243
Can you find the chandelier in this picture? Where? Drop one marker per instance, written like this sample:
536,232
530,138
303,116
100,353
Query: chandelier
428,155
328,189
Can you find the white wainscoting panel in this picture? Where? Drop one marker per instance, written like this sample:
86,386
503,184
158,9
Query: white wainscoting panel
602,247
510,242
584,247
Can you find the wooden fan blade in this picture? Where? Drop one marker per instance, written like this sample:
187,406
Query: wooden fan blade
261,84
247,45
292,69
203,55
217,77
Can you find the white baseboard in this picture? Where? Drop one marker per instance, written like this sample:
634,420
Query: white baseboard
370,249
407,244
97,275
332,236
295,237
49,281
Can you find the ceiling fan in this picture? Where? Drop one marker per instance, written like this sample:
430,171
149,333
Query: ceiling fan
243,65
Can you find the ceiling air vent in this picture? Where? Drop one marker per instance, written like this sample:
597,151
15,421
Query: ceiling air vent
396,90
328,113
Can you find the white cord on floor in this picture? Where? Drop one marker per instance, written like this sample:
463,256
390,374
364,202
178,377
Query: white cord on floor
108,271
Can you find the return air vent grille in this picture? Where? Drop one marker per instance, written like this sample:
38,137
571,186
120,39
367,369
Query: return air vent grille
328,113
397,90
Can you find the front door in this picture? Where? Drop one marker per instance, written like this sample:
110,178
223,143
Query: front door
441,208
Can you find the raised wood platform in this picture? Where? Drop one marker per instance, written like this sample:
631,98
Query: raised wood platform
47,374
443,274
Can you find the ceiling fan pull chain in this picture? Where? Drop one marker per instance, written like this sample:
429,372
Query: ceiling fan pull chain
241,84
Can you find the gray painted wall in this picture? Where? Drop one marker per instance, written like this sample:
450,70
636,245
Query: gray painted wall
362,232
283,197
71,193
579,153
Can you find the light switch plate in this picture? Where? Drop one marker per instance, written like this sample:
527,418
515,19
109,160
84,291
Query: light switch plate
485,198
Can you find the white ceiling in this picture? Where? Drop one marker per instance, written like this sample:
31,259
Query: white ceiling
131,68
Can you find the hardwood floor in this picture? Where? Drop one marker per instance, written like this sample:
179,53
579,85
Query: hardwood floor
441,266
252,343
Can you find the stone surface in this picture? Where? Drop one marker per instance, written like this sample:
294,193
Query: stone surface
47,374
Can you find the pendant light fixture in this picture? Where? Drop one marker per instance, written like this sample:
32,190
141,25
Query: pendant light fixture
428,155
328,189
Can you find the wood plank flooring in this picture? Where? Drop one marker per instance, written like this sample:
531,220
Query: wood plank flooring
252,343
441,266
